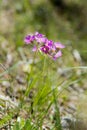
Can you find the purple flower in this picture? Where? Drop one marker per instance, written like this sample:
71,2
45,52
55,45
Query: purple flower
29,38
49,43
48,47
44,49
39,35
40,38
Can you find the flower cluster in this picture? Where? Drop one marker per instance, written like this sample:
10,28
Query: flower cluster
42,44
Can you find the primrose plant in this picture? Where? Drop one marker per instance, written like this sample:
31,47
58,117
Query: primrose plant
40,43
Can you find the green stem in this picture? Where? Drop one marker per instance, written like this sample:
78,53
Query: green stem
57,113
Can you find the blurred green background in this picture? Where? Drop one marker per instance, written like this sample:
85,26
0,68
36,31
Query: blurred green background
60,20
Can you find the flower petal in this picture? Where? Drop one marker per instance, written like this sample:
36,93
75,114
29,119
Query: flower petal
34,48
40,40
59,45
44,49
58,54
27,39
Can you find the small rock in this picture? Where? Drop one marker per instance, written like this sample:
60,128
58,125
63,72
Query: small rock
9,59
67,122
6,83
76,55
64,124
20,80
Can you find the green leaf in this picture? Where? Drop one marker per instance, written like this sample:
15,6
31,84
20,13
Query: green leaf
29,126
5,120
16,126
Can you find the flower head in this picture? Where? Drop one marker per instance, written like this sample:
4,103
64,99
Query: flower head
48,47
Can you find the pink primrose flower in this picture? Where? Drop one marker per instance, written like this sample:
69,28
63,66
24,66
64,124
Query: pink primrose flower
44,49
29,38
48,47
